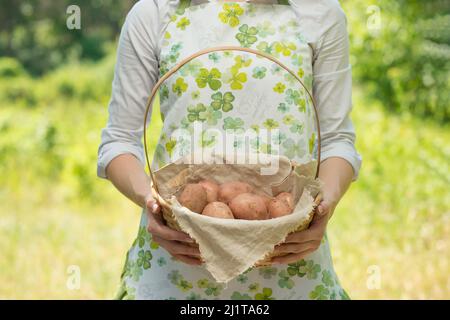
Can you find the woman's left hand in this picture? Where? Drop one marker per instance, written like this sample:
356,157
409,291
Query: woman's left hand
300,244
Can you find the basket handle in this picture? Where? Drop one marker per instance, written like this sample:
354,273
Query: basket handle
214,49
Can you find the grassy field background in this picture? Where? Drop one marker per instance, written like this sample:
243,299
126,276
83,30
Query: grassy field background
55,213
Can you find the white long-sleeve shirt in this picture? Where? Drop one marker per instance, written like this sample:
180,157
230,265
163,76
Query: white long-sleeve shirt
136,72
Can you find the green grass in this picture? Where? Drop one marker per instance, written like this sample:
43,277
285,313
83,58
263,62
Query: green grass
55,212
396,217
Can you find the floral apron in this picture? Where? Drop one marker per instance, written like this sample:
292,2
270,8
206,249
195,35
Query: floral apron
237,92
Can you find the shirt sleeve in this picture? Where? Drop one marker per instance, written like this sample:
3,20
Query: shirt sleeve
332,90
135,74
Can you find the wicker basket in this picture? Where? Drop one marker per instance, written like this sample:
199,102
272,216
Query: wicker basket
166,208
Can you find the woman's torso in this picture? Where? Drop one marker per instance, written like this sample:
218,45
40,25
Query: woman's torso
272,101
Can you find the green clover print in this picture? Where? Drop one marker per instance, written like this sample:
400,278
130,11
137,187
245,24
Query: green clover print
233,124
253,287
267,48
184,285
259,72
266,294
242,278
265,29
292,97
285,281
194,111
270,124
170,146
279,87
293,149
297,60
285,48
206,77
214,57
213,290
144,258
294,268
135,271
236,78
242,61
193,296
191,68
333,295
247,35
327,278
237,296
161,261
296,127
311,142
282,107
278,138
164,93
319,293
179,86
154,245
230,14
311,269
202,283
208,138
222,101
183,23
210,116
288,119
302,105
142,237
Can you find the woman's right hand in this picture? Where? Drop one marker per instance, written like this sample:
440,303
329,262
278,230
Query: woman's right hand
175,242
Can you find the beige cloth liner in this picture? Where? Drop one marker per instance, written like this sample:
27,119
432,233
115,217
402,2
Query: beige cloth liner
230,247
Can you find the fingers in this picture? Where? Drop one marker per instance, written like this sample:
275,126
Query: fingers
177,248
188,260
157,228
152,205
311,234
289,248
325,208
291,258
319,221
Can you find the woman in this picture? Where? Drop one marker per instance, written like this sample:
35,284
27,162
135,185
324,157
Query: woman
310,37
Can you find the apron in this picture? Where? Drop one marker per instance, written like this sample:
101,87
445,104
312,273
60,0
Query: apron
241,101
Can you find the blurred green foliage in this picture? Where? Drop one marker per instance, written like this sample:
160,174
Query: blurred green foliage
35,31
401,54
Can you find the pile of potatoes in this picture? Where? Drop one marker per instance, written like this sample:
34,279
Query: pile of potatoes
234,200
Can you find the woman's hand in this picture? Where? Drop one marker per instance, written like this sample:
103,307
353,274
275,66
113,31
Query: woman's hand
336,175
300,244
175,242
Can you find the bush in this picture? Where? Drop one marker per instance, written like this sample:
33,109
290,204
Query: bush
11,68
406,62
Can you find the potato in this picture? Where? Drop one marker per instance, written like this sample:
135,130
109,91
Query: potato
288,198
265,198
231,189
218,210
211,188
281,205
193,197
249,206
